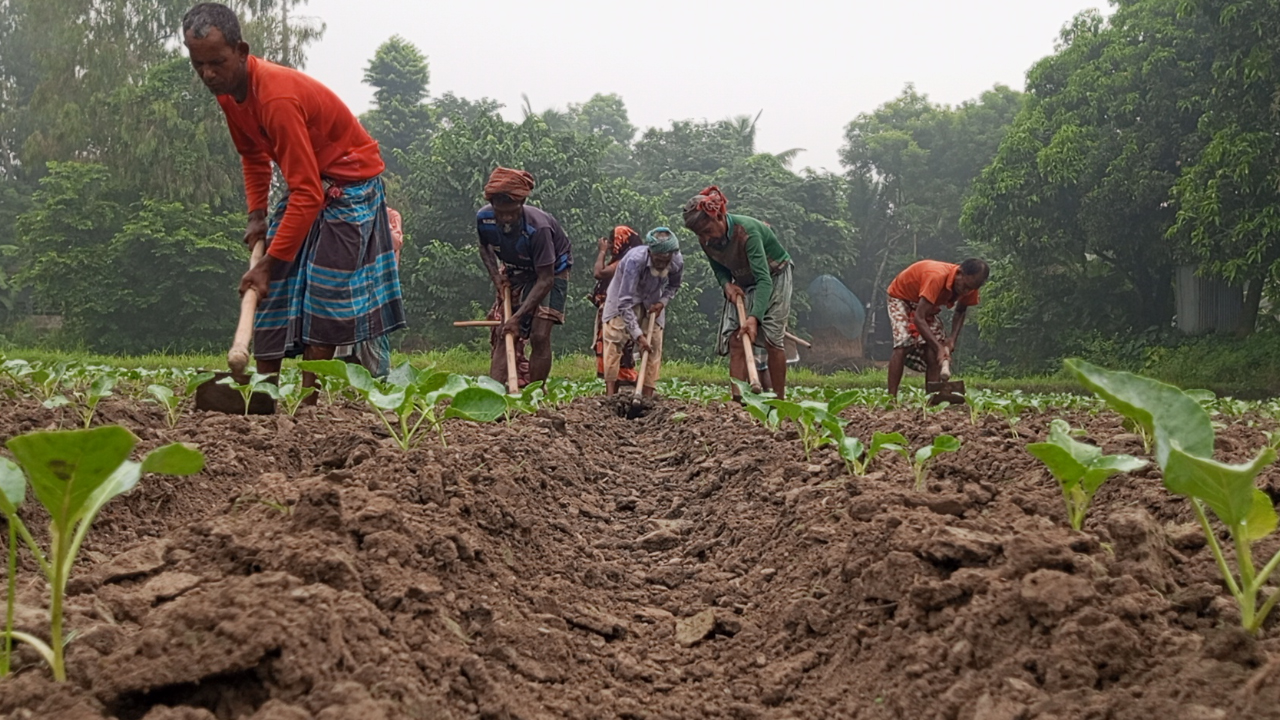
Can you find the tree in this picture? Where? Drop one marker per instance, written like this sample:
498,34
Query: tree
1078,196
171,140
444,184
909,164
158,275
400,117
61,60
1228,196
685,156
606,116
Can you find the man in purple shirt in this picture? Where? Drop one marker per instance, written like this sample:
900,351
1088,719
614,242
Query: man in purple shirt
644,283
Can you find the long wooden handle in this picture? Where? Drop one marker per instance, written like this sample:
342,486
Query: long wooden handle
477,323
513,374
799,341
644,357
238,355
753,375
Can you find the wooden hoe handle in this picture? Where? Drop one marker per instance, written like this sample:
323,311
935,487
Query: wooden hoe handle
644,357
753,375
513,374
477,323
238,355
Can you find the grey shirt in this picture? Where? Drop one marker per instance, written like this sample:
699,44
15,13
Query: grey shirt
633,284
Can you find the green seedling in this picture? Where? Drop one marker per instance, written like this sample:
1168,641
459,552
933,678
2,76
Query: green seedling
88,399
172,401
757,407
927,455
858,459
290,393
817,425
257,383
414,397
1079,468
1184,441
73,474
19,374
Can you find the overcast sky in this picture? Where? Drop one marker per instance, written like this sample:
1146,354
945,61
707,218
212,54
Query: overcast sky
811,66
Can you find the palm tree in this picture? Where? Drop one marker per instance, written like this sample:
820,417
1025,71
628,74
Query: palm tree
556,119
786,157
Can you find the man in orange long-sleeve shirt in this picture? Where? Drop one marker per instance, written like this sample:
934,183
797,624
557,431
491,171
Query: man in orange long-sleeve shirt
916,297
329,275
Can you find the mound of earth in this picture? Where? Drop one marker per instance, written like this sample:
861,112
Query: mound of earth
597,562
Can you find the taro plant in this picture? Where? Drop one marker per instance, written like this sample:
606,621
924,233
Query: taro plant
1080,468
858,459
927,455
1184,441
257,382
73,474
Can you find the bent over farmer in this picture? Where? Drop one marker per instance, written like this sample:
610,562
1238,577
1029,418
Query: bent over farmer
916,297
644,284
609,254
328,276
536,258
750,264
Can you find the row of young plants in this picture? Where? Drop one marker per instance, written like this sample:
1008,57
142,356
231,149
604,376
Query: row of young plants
819,424
1180,427
74,473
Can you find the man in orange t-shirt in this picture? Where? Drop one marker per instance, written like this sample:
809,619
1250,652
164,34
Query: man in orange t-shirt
916,297
329,276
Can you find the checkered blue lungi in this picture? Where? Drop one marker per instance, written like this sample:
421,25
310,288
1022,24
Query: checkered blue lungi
343,288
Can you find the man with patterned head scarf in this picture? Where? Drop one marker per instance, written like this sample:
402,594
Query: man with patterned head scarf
751,265
645,282
536,258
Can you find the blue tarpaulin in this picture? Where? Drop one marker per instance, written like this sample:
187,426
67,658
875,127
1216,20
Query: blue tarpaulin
834,305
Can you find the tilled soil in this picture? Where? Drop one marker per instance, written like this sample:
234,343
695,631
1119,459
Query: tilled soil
686,563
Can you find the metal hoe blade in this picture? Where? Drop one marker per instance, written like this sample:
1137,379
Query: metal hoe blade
225,399
945,392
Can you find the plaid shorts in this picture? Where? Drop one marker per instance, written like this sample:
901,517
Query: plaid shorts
907,335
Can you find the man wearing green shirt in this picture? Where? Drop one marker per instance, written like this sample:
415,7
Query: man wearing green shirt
749,263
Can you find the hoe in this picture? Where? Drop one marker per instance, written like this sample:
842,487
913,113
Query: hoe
945,390
223,398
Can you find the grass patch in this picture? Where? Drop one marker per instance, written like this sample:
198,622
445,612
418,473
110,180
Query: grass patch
574,367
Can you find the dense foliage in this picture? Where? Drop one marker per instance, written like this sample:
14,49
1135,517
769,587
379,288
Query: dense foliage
1144,143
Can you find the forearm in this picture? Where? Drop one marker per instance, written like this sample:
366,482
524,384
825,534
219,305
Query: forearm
926,332
490,260
541,288
598,269
957,322
763,296
633,323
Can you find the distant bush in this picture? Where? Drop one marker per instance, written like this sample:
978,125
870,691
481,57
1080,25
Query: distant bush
1242,367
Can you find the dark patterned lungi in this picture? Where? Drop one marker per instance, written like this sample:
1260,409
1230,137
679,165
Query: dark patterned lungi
343,288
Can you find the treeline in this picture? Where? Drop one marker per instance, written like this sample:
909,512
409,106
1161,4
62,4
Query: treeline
1144,143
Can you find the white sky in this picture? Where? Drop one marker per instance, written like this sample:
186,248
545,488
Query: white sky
810,66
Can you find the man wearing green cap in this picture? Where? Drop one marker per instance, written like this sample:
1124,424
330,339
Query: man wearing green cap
643,285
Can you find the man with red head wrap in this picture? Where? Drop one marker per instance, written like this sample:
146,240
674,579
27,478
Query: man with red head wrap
536,258
750,264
